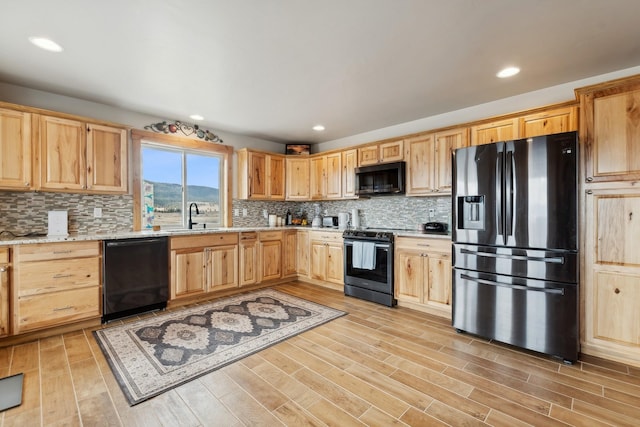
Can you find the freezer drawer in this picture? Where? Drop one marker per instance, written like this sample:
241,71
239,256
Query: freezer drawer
537,315
556,266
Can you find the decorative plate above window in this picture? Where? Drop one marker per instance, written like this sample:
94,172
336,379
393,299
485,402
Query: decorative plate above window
164,127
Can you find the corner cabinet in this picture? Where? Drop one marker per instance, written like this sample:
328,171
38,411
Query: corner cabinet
423,274
82,157
202,264
261,175
5,260
15,150
297,170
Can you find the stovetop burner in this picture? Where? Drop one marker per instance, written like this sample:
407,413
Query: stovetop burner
374,235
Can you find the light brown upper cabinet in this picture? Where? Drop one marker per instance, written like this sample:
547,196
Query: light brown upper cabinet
349,164
429,161
82,157
610,130
548,122
334,175
383,152
261,175
297,174
500,130
15,150
318,179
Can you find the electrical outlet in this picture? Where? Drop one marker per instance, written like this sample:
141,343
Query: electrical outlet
236,212
97,212
265,213
244,212
432,213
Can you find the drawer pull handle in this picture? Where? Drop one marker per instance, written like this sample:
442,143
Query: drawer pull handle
69,307
426,245
61,252
61,276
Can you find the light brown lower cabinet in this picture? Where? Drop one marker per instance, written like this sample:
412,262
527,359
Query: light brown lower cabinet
289,253
270,252
55,284
248,258
610,280
204,263
423,274
327,256
302,253
5,259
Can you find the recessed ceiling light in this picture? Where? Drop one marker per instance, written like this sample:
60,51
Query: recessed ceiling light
46,44
318,128
196,117
508,72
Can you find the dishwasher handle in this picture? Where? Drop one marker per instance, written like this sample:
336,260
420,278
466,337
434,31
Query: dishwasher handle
134,242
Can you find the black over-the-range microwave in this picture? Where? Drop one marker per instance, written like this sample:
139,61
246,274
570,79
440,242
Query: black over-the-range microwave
385,178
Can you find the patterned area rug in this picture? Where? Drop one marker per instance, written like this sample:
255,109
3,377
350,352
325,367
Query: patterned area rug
151,356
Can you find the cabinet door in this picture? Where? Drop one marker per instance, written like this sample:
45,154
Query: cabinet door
614,152
617,316
335,263
275,176
248,262
391,151
63,154
368,155
302,252
222,265
410,275
289,253
318,260
15,150
420,160
189,275
349,164
318,177
445,143
502,130
257,175
297,177
334,175
107,155
548,122
270,260
4,292
439,281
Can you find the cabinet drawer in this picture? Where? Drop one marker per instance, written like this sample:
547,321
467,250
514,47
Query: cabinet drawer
51,276
248,235
48,251
424,244
270,235
326,236
204,240
39,311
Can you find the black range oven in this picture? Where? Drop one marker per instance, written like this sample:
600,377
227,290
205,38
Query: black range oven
368,266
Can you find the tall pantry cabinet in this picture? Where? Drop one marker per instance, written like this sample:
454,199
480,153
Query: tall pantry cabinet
610,142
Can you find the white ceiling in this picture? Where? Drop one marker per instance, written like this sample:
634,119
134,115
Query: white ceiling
274,68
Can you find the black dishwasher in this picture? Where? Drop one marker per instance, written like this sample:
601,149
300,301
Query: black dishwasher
135,276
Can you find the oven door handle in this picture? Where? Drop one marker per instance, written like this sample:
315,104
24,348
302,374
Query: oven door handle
384,247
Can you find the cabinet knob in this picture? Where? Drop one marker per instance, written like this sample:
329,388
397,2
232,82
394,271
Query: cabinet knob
589,178
617,291
589,191
26,184
3,269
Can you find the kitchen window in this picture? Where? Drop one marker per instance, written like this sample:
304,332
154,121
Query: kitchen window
174,173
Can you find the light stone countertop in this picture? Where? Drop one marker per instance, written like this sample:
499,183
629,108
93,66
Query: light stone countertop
8,241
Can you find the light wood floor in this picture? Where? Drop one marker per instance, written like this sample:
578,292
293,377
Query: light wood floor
376,366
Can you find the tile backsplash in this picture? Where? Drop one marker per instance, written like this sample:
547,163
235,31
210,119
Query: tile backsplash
27,212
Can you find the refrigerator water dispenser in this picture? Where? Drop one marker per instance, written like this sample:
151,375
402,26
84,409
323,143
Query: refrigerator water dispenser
473,212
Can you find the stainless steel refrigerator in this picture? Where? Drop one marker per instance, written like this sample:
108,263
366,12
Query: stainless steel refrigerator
515,243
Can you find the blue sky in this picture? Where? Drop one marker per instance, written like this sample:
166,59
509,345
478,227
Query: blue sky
164,166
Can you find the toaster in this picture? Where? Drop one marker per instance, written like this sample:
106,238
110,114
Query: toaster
330,221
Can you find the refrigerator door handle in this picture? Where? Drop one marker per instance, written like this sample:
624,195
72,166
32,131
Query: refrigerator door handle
509,186
499,193
558,291
551,260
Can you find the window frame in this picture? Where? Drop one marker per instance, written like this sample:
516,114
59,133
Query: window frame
181,143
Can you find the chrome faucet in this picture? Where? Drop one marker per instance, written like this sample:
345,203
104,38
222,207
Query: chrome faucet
191,223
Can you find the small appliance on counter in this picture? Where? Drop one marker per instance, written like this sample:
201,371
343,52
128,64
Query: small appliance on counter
435,227
330,221
343,221
317,219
